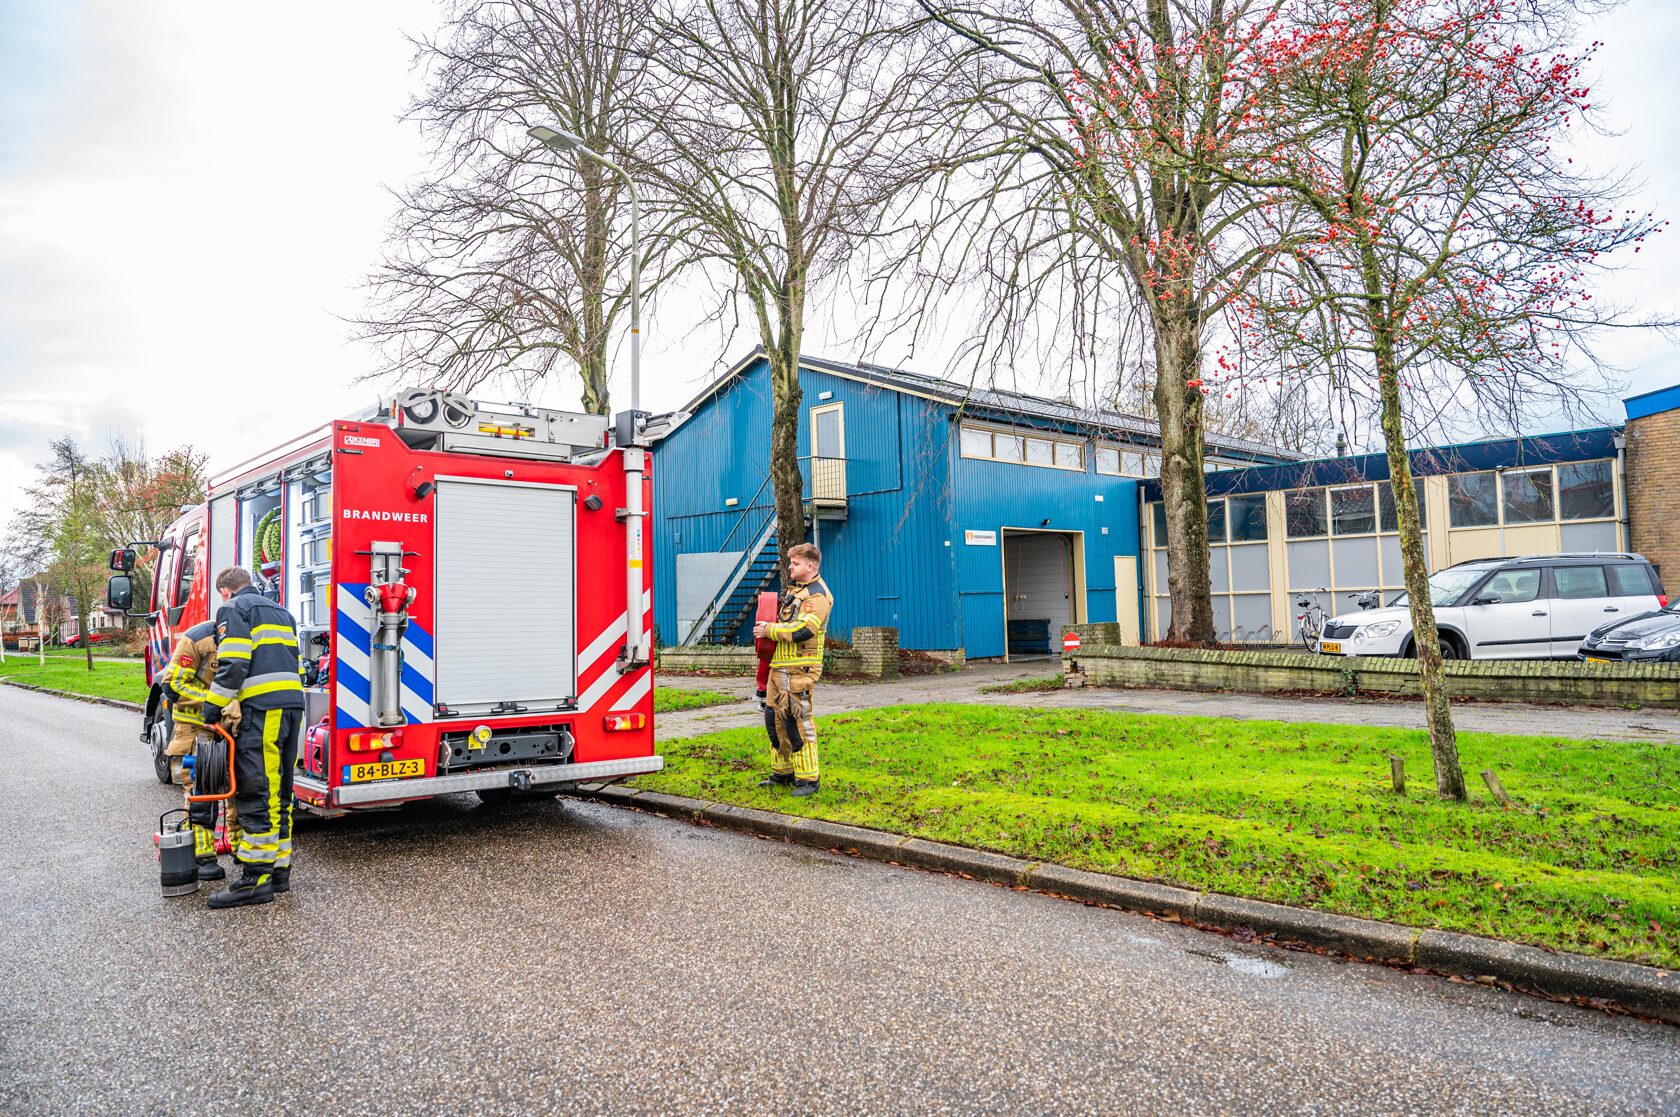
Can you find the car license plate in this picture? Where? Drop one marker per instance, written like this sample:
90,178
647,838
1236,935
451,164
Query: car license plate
1595,659
387,770
1330,647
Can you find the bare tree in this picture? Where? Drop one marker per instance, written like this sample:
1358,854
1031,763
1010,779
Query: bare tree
59,526
1452,242
794,130
1125,201
511,265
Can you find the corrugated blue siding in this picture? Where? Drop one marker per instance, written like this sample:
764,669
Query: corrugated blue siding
887,562
996,496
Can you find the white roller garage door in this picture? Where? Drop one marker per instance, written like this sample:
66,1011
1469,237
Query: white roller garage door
506,621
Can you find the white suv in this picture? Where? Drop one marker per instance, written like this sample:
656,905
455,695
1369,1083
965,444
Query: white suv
1540,607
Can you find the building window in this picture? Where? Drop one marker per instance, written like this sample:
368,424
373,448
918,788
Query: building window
1246,516
1160,515
1004,446
1304,516
1108,461
1353,511
1472,500
1385,506
1216,521
1586,491
1528,496
976,442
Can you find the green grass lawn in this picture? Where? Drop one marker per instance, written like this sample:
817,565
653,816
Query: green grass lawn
107,680
1300,814
667,699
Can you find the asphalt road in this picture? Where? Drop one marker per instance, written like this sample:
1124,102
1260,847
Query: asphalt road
562,957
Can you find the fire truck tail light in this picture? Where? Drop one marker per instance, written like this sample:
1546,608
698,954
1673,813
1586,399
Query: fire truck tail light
617,722
374,742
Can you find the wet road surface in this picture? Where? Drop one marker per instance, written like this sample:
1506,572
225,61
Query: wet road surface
563,957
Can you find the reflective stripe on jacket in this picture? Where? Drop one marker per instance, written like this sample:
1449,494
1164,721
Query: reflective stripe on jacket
186,677
800,625
257,656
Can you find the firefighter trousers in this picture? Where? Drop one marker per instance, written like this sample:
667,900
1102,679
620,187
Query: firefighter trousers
790,720
265,760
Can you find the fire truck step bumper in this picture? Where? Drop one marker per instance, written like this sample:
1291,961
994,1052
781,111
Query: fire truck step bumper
385,791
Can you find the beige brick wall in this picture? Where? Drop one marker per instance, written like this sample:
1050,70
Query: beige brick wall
1653,492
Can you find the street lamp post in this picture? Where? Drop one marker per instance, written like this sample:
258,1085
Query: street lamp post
560,140
635,457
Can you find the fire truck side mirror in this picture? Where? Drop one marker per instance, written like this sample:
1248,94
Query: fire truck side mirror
122,559
119,592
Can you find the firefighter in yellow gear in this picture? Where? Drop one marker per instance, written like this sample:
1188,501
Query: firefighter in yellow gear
185,681
795,666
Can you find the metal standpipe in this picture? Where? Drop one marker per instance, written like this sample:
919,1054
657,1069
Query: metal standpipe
635,465
389,599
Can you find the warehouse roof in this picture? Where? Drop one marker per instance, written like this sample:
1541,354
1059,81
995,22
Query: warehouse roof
997,403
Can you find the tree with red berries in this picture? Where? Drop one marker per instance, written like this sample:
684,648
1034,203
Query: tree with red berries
1421,145
1108,116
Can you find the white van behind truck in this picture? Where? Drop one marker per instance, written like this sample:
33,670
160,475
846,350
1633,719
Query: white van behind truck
1536,607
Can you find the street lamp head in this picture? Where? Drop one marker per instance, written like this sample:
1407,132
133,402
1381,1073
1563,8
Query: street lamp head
556,138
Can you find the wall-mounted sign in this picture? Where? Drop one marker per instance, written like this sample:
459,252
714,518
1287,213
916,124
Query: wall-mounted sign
980,538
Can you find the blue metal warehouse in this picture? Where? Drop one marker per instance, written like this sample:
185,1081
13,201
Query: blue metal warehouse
972,521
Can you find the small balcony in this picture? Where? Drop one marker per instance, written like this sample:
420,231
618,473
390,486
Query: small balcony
824,487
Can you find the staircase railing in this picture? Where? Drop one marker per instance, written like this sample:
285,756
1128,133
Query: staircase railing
727,590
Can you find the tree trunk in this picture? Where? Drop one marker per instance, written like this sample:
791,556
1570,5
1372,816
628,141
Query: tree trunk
785,479
86,613
1443,742
1178,408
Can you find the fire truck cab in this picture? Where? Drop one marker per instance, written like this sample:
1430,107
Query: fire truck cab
471,587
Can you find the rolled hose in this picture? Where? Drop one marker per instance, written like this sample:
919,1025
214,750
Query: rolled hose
213,768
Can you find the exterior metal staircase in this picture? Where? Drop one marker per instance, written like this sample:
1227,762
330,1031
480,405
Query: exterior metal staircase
755,572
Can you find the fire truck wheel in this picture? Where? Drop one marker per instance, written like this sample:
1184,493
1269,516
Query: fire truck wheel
495,796
158,743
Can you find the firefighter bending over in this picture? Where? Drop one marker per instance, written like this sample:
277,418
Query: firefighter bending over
795,667
257,650
186,680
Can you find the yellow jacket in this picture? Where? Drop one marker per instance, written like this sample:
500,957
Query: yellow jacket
800,625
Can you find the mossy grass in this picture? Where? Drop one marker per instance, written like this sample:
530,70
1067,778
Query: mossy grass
107,680
670,699
1303,814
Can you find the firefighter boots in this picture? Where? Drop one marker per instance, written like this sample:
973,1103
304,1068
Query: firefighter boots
804,787
282,881
255,886
210,869
777,779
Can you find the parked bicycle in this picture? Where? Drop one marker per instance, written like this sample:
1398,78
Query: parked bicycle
1310,621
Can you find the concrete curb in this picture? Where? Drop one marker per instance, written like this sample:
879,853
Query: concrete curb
115,703
1642,990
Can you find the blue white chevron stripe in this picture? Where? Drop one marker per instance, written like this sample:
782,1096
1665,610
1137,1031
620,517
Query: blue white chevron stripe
351,671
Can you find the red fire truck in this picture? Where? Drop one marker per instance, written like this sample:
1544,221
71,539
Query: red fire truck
473,599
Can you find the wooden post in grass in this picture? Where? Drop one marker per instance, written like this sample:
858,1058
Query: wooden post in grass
1496,787
1397,772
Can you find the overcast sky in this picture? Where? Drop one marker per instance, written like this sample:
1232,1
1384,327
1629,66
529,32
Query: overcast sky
191,192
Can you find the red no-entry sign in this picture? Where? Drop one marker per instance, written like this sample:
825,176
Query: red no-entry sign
1070,642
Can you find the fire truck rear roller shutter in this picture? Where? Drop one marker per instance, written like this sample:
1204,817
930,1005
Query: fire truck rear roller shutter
506,595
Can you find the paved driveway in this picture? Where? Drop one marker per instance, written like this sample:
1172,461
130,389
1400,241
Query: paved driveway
1584,722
